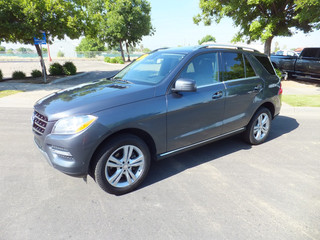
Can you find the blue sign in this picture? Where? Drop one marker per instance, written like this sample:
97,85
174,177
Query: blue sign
38,41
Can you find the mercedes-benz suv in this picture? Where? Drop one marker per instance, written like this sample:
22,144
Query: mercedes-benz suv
163,103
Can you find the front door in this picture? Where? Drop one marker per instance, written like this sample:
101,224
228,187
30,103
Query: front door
193,117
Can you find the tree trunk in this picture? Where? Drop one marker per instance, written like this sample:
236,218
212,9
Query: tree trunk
127,46
121,49
267,46
43,66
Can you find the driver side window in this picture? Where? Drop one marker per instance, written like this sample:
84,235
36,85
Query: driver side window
203,69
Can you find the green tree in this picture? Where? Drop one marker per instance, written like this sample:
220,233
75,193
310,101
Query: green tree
276,47
207,38
21,20
24,50
263,19
89,46
2,49
120,22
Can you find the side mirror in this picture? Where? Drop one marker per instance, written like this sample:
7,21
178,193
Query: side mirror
185,85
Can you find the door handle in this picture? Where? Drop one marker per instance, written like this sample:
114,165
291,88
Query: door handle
217,95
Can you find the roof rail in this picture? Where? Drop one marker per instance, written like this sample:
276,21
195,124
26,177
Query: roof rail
215,45
158,49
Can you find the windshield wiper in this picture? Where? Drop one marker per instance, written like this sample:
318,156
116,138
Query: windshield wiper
119,79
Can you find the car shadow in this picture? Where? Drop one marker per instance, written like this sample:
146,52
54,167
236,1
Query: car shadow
171,166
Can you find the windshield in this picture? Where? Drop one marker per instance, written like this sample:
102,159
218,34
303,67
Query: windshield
150,68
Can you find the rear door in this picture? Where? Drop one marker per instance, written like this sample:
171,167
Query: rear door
196,116
243,88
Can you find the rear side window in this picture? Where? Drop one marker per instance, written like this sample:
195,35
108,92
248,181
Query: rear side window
249,70
232,66
311,52
264,60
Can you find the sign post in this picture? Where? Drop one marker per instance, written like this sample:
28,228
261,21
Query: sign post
39,42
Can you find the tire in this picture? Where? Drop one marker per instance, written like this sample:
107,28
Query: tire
288,76
259,127
122,164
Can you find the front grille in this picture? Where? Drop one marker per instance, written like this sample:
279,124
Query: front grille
39,123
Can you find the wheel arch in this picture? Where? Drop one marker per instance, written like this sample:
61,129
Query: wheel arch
269,106
143,135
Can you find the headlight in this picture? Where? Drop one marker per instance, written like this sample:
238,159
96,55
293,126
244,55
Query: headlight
72,125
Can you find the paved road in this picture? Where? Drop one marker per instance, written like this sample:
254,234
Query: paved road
225,190
33,92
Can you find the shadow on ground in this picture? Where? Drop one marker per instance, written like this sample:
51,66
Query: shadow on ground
171,166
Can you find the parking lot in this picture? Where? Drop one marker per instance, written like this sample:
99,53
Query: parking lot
225,190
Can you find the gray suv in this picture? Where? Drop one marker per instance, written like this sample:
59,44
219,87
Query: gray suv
165,102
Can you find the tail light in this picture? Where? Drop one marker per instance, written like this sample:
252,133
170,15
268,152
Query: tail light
280,89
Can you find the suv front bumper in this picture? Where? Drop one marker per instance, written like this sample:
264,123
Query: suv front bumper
65,153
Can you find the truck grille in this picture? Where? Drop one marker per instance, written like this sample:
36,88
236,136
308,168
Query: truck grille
39,123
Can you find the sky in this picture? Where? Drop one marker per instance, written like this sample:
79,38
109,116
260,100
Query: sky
173,22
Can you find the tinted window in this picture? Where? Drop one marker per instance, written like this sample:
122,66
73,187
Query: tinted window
203,69
311,52
233,66
264,60
249,70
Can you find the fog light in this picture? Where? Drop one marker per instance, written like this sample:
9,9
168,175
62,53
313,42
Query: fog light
60,152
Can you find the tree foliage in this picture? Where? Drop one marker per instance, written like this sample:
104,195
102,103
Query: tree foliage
207,38
120,22
263,19
90,46
22,20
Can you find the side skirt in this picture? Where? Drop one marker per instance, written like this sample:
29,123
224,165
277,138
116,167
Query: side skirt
189,147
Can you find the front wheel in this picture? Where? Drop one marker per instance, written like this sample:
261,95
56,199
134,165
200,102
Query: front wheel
123,164
259,127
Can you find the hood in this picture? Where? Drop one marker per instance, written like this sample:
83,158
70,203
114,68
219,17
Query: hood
92,97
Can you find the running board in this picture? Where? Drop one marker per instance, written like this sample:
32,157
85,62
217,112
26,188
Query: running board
166,154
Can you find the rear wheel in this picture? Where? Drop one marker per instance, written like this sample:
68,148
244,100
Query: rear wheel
259,127
122,164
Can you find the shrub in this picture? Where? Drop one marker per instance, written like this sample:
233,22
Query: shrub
18,75
114,60
119,60
69,68
36,73
56,69
60,54
1,76
279,73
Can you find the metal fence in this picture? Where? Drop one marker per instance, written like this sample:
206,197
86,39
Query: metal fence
88,55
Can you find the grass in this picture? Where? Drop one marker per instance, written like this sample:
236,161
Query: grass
302,100
5,93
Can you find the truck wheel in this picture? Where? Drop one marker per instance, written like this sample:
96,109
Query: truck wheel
288,76
259,127
122,164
